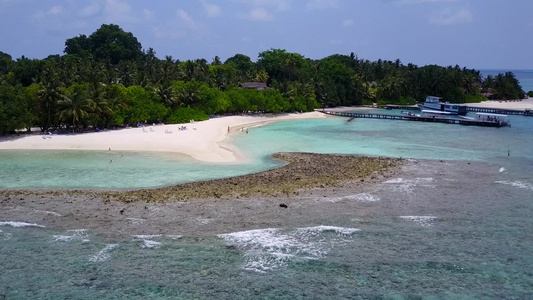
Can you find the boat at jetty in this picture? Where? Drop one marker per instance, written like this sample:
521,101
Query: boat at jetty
435,113
500,119
434,103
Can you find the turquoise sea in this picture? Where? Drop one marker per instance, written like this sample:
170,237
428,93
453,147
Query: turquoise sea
441,231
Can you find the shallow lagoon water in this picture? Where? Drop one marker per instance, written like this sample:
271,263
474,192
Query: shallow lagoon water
51,169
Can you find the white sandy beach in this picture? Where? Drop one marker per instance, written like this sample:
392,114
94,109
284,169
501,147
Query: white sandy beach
203,141
505,104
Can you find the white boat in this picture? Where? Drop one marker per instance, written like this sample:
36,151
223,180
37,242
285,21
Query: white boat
434,103
496,118
435,113
410,114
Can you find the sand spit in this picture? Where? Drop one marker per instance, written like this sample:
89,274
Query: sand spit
208,141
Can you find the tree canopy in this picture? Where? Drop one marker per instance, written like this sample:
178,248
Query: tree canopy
106,80
109,44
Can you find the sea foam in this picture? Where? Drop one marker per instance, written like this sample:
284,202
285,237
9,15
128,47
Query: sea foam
334,229
135,221
407,185
271,248
424,221
103,254
518,184
20,224
361,197
148,241
74,234
5,235
53,213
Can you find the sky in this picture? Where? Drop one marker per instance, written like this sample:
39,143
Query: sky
480,34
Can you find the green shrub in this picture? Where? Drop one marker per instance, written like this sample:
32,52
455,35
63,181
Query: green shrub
368,102
185,115
407,100
474,98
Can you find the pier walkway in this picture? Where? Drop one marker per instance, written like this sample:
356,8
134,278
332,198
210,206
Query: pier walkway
519,112
413,117
526,112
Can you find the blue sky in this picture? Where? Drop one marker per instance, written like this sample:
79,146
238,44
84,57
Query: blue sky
477,34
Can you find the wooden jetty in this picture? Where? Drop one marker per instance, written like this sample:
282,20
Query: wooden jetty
413,117
526,112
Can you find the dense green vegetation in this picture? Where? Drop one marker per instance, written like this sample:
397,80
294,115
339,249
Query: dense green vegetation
106,80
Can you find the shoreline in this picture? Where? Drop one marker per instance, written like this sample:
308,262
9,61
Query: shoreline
206,141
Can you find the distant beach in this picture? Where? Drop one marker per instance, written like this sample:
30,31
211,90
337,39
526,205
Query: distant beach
505,104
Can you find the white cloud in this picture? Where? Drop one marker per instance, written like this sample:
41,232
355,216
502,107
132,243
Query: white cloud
117,11
163,33
347,23
260,14
90,10
54,11
282,5
447,17
148,14
185,17
211,10
323,4
423,1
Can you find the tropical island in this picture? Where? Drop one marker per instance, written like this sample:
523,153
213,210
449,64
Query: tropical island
107,80
447,214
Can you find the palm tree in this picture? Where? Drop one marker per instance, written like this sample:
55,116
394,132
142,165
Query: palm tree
100,109
261,76
77,106
189,67
49,94
166,92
